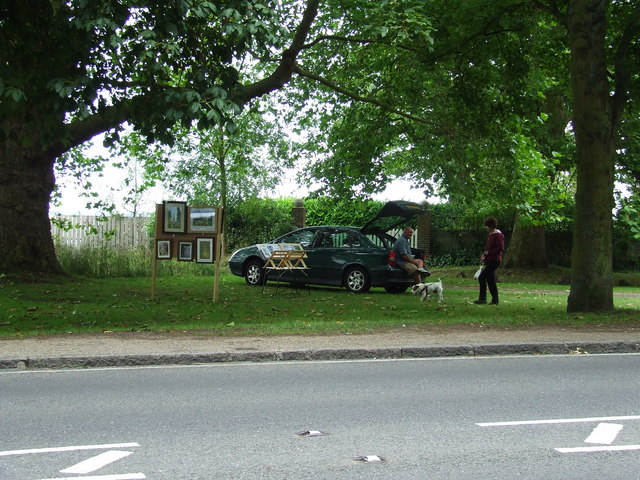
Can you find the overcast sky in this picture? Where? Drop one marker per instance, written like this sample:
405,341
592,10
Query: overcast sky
110,187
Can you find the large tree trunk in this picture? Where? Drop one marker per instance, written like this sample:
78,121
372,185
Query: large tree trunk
26,183
591,258
527,248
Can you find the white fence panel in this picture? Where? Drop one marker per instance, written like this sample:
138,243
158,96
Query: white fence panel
91,231
413,243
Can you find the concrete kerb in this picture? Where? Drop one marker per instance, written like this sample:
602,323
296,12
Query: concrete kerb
603,347
132,360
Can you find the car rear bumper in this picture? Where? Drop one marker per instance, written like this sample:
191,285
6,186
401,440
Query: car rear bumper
391,276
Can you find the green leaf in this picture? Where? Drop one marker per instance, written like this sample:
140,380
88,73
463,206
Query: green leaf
15,94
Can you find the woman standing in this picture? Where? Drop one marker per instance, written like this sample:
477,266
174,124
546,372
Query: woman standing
490,260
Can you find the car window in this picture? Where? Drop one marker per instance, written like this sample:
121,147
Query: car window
327,240
342,239
303,237
353,241
381,240
337,239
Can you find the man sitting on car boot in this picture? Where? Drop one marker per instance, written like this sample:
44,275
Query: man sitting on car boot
405,259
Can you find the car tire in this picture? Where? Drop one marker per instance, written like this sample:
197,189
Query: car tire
396,289
357,280
254,273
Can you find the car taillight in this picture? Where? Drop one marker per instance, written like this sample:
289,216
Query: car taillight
391,259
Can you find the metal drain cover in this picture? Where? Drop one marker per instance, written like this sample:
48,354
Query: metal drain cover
312,433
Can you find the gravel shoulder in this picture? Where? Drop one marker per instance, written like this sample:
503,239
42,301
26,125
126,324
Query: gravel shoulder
175,343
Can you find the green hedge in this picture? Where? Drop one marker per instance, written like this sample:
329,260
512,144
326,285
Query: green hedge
329,211
258,221
261,220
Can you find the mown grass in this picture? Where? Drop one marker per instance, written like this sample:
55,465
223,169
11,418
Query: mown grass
185,304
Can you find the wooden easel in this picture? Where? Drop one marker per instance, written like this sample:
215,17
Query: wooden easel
285,261
296,259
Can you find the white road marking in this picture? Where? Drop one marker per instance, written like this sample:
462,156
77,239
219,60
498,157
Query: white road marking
613,448
96,463
108,446
556,421
122,476
604,433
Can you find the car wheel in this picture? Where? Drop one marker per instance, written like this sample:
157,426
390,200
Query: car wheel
396,289
357,280
254,273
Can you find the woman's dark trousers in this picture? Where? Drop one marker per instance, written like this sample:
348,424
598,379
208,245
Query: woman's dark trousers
488,279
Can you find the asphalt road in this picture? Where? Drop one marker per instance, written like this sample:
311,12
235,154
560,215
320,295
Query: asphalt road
424,418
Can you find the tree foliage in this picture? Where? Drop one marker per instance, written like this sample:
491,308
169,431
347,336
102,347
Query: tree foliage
214,166
482,107
474,95
70,69
467,104
220,167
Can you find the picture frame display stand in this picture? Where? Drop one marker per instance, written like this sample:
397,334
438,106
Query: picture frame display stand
170,243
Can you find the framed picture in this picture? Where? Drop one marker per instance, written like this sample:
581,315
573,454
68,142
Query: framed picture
204,250
174,219
185,251
163,249
266,249
202,219
290,246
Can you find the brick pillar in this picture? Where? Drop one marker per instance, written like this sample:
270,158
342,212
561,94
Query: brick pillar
299,213
423,242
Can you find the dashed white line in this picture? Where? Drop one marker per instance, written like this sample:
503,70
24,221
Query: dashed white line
604,433
123,476
559,420
96,463
611,448
108,446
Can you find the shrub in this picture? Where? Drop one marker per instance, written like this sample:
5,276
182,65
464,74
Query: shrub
461,257
117,262
258,221
105,261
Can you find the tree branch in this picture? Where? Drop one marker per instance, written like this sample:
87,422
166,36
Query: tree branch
339,38
79,132
360,98
359,41
283,73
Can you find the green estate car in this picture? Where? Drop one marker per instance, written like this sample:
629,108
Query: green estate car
351,257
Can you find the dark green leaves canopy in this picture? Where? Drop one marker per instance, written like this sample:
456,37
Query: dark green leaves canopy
96,63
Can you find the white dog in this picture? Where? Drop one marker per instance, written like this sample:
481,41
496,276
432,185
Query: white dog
426,289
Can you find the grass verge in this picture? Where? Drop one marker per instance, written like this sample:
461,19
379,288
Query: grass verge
184,303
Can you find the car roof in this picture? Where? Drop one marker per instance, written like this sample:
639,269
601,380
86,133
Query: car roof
390,216
322,227
332,226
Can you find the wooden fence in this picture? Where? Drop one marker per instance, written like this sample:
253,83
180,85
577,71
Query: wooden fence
124,232
90,231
